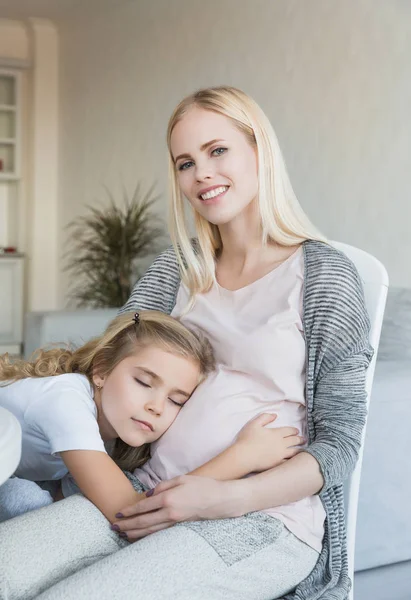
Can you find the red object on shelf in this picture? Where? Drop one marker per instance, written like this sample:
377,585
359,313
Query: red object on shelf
9,249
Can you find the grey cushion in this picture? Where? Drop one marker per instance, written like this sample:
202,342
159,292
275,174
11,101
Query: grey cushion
384,518
395,341
73,327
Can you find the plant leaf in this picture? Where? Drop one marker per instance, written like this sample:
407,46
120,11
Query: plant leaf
105,246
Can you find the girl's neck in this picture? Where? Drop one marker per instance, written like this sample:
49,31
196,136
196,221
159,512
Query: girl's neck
106,430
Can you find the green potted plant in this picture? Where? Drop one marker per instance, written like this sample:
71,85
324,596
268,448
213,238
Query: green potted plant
106,247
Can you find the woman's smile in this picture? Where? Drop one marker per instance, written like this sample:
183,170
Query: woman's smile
213,194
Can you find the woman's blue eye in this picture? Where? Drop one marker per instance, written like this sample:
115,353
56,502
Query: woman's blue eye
185,165
219,151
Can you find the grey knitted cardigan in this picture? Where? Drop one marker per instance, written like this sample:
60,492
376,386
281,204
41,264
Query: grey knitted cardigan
336,328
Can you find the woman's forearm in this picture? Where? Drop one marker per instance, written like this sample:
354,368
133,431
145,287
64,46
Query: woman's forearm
291,481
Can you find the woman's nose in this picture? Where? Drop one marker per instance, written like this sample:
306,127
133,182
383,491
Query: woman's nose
204,171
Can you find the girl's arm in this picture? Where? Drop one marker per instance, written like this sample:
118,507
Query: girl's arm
100,480
257,448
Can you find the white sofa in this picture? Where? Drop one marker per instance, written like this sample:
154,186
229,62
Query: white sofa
384,524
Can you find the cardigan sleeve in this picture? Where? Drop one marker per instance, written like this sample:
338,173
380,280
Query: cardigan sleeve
157,288
339,416
340,355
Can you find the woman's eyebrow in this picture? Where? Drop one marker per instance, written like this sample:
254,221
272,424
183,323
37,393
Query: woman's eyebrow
202,148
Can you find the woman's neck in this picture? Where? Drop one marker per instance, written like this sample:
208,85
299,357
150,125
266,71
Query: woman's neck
244,257
242,237
242,244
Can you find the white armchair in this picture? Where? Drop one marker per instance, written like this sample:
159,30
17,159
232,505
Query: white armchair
375,280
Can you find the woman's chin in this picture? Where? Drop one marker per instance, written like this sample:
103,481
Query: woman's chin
220,217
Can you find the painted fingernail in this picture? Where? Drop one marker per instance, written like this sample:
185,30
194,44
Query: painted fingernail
149,493
119,515
115,527
123,534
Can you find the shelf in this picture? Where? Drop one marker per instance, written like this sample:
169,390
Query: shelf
11,255
7,125
7,89
7,158
7,141
8,107
8,176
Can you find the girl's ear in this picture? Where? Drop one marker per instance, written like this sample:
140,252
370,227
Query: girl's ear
98,381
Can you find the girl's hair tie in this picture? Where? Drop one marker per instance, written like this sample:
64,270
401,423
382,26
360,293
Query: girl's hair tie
136,318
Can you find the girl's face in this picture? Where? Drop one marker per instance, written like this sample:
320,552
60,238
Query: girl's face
216,165
144,393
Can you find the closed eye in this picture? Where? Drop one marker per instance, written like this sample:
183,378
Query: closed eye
180,404
142,383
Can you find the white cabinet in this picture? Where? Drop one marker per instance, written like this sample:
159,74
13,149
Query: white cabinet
11,265
9,124
11,303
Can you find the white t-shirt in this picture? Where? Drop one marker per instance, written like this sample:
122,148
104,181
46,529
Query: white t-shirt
56,414
258,340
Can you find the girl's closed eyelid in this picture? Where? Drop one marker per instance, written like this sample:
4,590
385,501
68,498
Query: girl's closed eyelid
142,382
180,404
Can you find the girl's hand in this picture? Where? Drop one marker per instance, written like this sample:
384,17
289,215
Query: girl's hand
264,448
185,498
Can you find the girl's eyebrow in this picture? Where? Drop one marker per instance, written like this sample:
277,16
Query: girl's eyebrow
151,373
202,148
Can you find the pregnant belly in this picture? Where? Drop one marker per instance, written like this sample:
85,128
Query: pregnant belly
210,422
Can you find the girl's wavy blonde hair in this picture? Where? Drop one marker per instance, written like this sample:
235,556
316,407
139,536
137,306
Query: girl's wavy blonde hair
282,219
122,338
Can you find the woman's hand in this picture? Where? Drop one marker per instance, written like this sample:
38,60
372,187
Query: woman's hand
185,498
264,448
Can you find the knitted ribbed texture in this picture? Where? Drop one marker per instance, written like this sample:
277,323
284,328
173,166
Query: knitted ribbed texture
336,328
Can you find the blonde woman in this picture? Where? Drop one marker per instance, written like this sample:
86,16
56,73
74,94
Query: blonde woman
285,314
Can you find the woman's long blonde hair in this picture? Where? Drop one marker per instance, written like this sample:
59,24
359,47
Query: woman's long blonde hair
122,338
282,219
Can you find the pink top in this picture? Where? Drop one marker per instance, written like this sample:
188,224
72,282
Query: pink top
257,336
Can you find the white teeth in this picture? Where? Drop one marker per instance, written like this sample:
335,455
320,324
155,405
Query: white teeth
214,193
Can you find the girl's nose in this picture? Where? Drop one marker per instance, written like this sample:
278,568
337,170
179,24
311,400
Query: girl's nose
155,406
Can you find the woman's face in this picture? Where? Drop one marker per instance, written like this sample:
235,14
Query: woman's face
216,165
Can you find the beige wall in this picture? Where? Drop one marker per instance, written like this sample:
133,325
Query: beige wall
44,204
334,77
14,41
